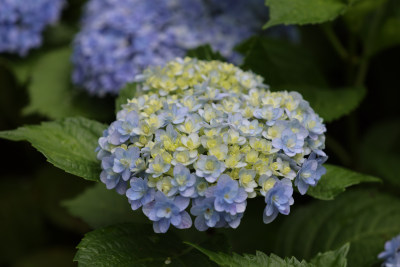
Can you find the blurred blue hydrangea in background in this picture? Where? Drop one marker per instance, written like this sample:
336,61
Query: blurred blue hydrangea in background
22,23
119,39
391,255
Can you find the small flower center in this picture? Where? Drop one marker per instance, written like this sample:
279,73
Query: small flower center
209,165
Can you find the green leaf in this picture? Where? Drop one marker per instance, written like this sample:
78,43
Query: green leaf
278,62
101,207
365,219
68,144
331,104
331,258
304,11
137,245
336,180
388,36
258,260
381,157
52,95
205,52
381,15
359,14
128,92
52,186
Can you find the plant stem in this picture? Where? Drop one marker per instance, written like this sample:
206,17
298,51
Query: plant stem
369,45
334,40
340,151
359,80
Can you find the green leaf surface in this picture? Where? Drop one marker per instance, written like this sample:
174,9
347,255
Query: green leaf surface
302,12
331,104
278,63
366,219
382,16
331,258
52,186
101,207
128,92
68,144
382,157
359,14
137,245
52,95
388,36
336,180
281,63
205,52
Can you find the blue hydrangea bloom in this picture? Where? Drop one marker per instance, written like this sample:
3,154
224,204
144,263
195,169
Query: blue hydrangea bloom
139,193
192,136
310,173
314,125
184,181
289,143
206,215
111,179
120,38
209,167
129,126
158,167
175,114
125,161
229,197
233,220
22,23
391,255
164,211
278,199
268,113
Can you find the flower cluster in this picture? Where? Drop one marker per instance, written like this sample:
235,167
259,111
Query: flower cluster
22,23
119,39
212,134
391,255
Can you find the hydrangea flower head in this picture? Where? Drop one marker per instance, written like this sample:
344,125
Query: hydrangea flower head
213,135
119,39
391,255
22,23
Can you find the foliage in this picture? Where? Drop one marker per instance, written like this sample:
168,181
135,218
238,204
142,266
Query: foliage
331,258
278,63
53,95
382,158
365,218
340,55
100,207
336,180
138,245
305,11
205,52
68,144
128,92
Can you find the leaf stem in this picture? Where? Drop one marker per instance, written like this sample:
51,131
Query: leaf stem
340,151
334,40
369,45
